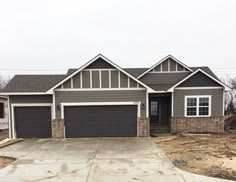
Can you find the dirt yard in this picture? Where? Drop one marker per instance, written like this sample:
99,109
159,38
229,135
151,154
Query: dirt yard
206,154
4,161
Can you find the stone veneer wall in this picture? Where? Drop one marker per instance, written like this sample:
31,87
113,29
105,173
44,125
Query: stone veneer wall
143,127
197,125
58,128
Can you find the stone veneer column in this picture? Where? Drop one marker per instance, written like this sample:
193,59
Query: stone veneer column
143,127
58,128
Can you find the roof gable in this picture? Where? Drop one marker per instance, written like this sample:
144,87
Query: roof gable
195,72
199,80
100,64
96,63
167,64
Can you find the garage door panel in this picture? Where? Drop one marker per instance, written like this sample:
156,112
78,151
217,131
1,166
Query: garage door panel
33,122
100,121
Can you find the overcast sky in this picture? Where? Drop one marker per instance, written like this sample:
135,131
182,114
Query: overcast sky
51,36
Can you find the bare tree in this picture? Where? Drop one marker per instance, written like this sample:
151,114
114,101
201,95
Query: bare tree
230,96
4,81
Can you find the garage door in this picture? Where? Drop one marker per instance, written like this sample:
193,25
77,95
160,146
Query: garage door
100,121
33,122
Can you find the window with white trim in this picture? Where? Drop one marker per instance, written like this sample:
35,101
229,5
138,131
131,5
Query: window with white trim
197,106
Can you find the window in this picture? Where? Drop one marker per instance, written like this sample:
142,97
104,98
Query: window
197,106
1,110
154,107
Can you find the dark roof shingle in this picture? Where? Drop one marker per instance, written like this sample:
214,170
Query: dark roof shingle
42,83
32,83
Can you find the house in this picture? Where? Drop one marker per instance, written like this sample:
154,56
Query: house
101,99
3,113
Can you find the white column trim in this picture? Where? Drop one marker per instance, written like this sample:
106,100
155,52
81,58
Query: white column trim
81,80
9,118
53,105
223,103
147,105
72,84
90,80
128,82
172,104
109,78
100,79
168,65
118,79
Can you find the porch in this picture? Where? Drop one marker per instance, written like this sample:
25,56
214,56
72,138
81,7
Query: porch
160,113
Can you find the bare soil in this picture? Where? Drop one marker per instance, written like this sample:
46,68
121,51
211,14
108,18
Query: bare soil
5,161
206,154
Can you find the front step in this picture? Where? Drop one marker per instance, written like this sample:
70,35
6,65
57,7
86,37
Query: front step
159,129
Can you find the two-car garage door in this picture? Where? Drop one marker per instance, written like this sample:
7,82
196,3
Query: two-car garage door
100,121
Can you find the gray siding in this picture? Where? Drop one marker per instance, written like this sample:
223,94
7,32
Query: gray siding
199,80
123,80
216,99
157,68
76,81
15,99
67,84
85,79
105,79
114,78
132,83
165,65
101,96
180,67
95,79
172,65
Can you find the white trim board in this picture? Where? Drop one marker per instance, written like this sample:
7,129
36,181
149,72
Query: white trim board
9,118
98,89
197,88
25,93
14,134
64,104
161,61
197,107
90,62
198,70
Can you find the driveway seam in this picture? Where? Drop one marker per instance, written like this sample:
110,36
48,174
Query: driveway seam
93,159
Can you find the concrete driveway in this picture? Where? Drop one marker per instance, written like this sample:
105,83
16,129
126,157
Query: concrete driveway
92,160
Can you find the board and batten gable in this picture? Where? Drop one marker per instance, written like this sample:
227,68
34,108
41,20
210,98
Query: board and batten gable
217,100
100,74
100,96
169,65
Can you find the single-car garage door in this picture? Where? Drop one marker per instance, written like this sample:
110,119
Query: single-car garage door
100,121
33,122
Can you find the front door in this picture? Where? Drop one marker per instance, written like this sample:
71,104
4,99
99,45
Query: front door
155,112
